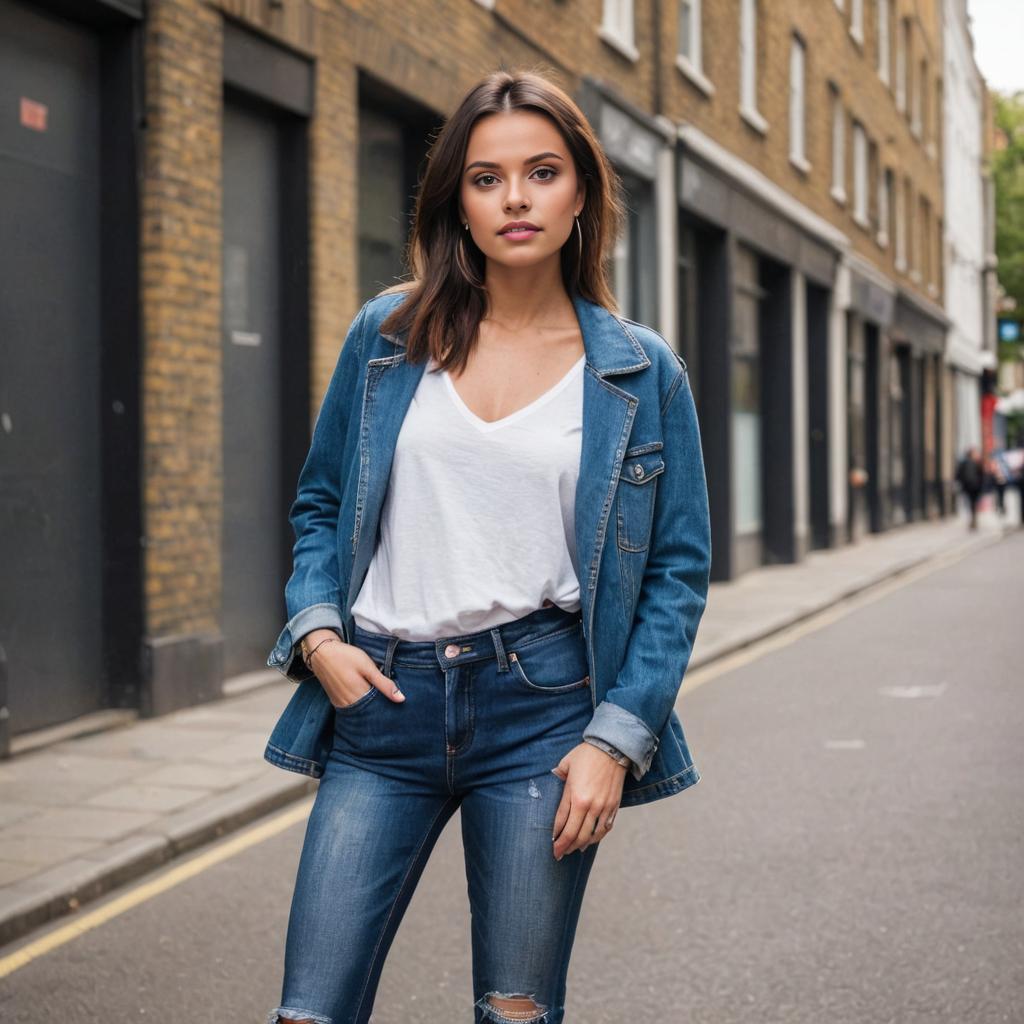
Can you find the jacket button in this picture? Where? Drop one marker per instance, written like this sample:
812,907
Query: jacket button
451,650
638,470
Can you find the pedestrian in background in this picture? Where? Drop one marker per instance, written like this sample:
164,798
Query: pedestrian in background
499,570
970,475
999,474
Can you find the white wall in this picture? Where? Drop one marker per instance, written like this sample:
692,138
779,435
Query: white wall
964,234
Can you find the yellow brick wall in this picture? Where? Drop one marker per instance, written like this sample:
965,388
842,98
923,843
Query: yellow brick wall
181,283
831,53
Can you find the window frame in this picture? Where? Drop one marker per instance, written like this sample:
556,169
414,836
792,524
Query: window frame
748,67
859,208
838,189
798,103
618,27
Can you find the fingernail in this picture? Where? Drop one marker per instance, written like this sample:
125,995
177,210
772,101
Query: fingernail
397,693
554,771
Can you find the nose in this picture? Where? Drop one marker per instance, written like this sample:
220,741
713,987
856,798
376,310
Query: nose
514,201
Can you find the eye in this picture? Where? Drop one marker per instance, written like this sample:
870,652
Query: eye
550,171
477,181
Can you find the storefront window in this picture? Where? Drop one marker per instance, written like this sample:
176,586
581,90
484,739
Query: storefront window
746,397
393,136
382,228
689,313
636,254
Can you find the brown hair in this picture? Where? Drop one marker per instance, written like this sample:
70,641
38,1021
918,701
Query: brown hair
447,298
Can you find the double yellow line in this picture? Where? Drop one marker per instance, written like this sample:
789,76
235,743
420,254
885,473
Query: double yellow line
168,880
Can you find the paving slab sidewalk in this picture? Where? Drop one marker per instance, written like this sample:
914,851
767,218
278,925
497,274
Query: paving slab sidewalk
87,814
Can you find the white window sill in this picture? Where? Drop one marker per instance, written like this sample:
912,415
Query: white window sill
489,4
754,119
882,239
861,221
857,36
915,130
800,163
838,194
620,45
695,75
930,149
915,276
901,265
933,289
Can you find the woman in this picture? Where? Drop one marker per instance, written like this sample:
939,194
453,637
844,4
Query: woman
970,475
501,558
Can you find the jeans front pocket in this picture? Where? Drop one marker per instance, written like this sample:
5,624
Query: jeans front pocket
363,699
552,664
359,702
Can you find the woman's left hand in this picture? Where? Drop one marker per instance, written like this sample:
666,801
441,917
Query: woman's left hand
593,789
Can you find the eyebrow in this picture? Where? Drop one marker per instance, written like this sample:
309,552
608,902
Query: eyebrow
531,160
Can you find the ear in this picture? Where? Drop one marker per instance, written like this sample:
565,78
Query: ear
581,196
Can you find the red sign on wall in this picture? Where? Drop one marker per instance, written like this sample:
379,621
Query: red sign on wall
33,114
988,410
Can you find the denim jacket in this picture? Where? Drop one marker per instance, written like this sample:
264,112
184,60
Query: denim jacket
642,536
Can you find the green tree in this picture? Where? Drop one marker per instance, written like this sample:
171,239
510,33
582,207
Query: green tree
1008,177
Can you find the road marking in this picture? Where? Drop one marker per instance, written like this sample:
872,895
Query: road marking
790,634
170,878
912,692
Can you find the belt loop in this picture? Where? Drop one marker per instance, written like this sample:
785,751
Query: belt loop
499,649
392,644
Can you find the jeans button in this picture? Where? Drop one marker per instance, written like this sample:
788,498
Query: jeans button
451,650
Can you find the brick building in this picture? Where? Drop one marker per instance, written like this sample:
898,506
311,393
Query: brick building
208,189
809,239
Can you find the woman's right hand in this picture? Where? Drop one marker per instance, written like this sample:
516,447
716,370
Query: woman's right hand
347,672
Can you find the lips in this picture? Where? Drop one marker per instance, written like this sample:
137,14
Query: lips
519,227
520,233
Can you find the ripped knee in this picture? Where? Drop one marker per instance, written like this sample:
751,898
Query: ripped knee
290,1015
507,1007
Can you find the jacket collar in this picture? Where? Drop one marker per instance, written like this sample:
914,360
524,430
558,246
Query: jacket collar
609,344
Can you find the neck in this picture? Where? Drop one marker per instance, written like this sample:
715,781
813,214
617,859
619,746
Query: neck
522,298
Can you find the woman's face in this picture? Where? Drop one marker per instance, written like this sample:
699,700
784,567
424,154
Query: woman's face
518,168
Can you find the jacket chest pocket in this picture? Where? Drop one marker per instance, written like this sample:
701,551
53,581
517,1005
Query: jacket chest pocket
634,496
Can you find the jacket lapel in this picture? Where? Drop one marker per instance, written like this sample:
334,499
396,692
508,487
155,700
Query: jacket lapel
608,413
391,382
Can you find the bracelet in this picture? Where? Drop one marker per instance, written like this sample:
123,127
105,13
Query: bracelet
326,640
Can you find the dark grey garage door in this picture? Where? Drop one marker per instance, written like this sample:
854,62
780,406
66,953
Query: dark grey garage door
50,455
252,581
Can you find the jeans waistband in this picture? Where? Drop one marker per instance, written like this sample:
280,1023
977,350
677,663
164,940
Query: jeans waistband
486,643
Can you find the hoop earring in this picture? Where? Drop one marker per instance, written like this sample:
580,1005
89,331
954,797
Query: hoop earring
462,261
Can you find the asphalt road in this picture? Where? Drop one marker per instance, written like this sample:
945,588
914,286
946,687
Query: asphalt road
853,853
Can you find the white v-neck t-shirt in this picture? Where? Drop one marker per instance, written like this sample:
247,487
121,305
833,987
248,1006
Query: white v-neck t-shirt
478,524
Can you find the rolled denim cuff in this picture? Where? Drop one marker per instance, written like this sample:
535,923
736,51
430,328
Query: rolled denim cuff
609,749
626,732
319,616
288,659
